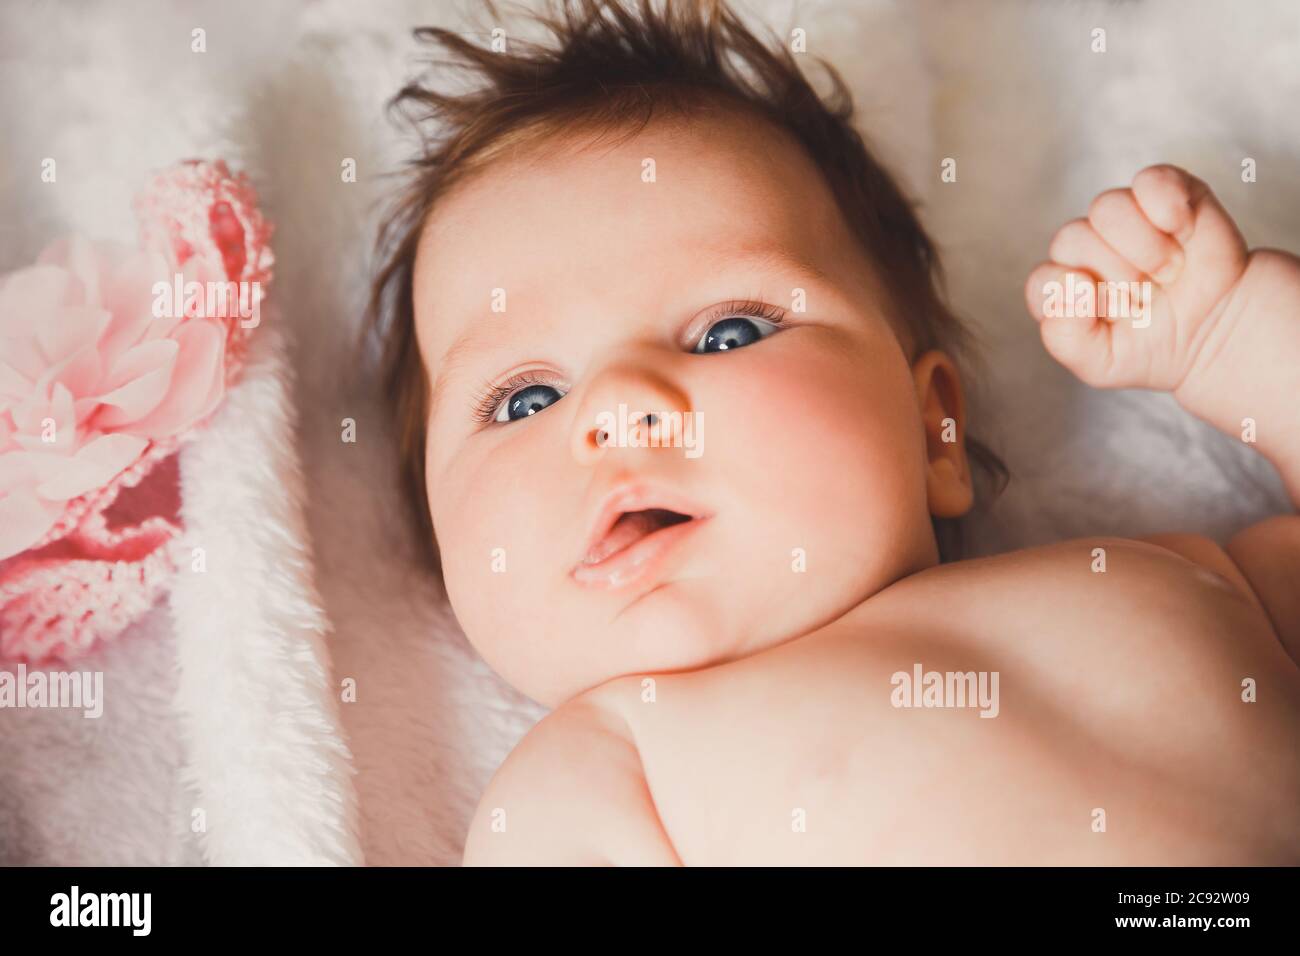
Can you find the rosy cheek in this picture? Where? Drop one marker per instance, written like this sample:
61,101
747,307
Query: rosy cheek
829,430
478,556
467,509
500,500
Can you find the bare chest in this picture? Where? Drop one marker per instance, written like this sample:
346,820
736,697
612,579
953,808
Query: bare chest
1026,708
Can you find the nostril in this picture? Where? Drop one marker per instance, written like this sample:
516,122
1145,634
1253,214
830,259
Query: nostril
651,419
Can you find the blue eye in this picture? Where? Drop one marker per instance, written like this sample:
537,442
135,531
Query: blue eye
734,332
527,401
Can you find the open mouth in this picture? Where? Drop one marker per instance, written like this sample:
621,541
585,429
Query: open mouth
630,528
632,534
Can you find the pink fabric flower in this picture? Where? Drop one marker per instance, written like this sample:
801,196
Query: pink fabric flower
103,371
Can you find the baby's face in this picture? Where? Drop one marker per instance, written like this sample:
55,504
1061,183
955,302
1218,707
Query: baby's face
698,270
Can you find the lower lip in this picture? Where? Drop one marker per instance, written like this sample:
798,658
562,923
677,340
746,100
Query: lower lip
637,562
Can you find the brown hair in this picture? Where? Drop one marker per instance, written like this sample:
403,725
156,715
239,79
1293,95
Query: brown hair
611,66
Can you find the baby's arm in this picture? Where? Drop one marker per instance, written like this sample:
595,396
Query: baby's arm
1220,330
572,793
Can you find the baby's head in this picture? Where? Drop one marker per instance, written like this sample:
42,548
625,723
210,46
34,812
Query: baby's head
656,215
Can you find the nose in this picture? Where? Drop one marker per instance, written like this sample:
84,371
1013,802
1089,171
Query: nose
626,399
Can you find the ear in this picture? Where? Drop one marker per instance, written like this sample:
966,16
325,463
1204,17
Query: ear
943,415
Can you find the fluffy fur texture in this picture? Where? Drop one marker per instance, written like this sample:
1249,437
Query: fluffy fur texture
256,700
1038,124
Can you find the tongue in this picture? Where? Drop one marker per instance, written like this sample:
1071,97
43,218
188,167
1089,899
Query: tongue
630,528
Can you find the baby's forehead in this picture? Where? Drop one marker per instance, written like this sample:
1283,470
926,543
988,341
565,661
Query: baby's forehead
589,209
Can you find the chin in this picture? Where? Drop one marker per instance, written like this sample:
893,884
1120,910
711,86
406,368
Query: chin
674,626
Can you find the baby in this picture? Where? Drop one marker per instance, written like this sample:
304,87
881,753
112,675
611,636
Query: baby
756,638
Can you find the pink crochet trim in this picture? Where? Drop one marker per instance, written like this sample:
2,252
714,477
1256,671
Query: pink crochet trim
198,210
116,382
58,601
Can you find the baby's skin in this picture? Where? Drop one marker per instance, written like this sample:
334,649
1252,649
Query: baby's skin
760,684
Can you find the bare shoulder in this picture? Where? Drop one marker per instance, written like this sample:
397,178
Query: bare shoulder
1104,585
1205,553
1167,556
1268,554
573,793
1262,562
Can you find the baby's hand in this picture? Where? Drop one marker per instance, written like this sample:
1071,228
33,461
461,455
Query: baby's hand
1156,289
1159,261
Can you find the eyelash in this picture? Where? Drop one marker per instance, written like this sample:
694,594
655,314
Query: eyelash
746,307
488,404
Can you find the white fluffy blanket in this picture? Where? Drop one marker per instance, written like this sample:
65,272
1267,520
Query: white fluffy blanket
229,699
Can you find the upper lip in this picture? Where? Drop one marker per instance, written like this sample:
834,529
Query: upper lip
636,496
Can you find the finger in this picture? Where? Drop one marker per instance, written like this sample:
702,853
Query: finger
1077,243
1167,196
1122,225
1051,292
1183,206
1054,289
1082,345
1080,342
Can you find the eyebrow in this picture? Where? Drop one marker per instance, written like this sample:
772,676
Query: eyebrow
758,258
462,349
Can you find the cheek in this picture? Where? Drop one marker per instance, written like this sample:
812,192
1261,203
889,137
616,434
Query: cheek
827,436
491,515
